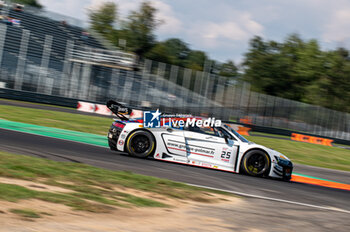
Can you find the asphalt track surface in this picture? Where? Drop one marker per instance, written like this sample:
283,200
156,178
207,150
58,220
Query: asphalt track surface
63,150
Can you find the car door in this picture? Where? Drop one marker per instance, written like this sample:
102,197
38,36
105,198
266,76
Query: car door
175,144
210,149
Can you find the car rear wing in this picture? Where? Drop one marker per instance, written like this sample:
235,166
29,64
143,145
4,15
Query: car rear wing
119,109
123,112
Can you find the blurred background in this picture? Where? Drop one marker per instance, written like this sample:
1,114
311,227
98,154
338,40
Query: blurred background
52,58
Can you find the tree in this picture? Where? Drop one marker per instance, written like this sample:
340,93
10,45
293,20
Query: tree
335,83
196,60
228,69
173,51
177,50
283,69
265,68
159,53
140,27
103,19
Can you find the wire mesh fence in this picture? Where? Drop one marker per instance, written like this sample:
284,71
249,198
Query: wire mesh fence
33,62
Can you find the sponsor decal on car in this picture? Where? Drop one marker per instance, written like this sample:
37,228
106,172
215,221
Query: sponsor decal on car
121,142
225,155
206,165
190,149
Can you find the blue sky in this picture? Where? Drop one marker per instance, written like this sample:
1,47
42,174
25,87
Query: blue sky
223,28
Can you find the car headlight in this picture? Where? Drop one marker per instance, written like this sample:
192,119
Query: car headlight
282,157
283,161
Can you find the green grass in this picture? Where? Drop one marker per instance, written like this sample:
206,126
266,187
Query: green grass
25,213
33,103
253,133
309,154
93,189
76,122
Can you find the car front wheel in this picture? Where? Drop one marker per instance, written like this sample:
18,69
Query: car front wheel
256,163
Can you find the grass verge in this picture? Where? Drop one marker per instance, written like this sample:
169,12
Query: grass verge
62,120
92,189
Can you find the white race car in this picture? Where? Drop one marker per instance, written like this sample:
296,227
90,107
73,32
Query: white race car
216,147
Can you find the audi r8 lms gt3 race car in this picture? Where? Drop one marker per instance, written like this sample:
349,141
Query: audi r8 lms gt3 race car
214,146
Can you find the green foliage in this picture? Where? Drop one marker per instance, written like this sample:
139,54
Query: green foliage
173,51
139,28
228,69
159,53
138,31
33,3
103,19
299,70
196,60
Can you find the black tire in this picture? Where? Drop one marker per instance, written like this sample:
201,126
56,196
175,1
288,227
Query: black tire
256,163
140,144
112,146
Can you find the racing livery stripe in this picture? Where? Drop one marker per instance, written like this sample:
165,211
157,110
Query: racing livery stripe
192,144
195,153
204,140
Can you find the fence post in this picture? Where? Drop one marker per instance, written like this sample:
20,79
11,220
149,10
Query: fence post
21,60
66,68
128,87
85,78
3,30
147,70
73,84
160,81
85,81
186,82
113,85
43,71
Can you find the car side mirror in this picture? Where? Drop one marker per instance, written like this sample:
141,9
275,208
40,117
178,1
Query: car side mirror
230,141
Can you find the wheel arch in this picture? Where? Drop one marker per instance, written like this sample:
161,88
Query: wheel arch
140,129
252,149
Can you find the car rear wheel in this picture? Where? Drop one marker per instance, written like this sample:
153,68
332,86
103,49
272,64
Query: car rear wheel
140,144
256,163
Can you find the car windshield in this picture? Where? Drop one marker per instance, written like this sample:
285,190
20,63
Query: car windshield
236,133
